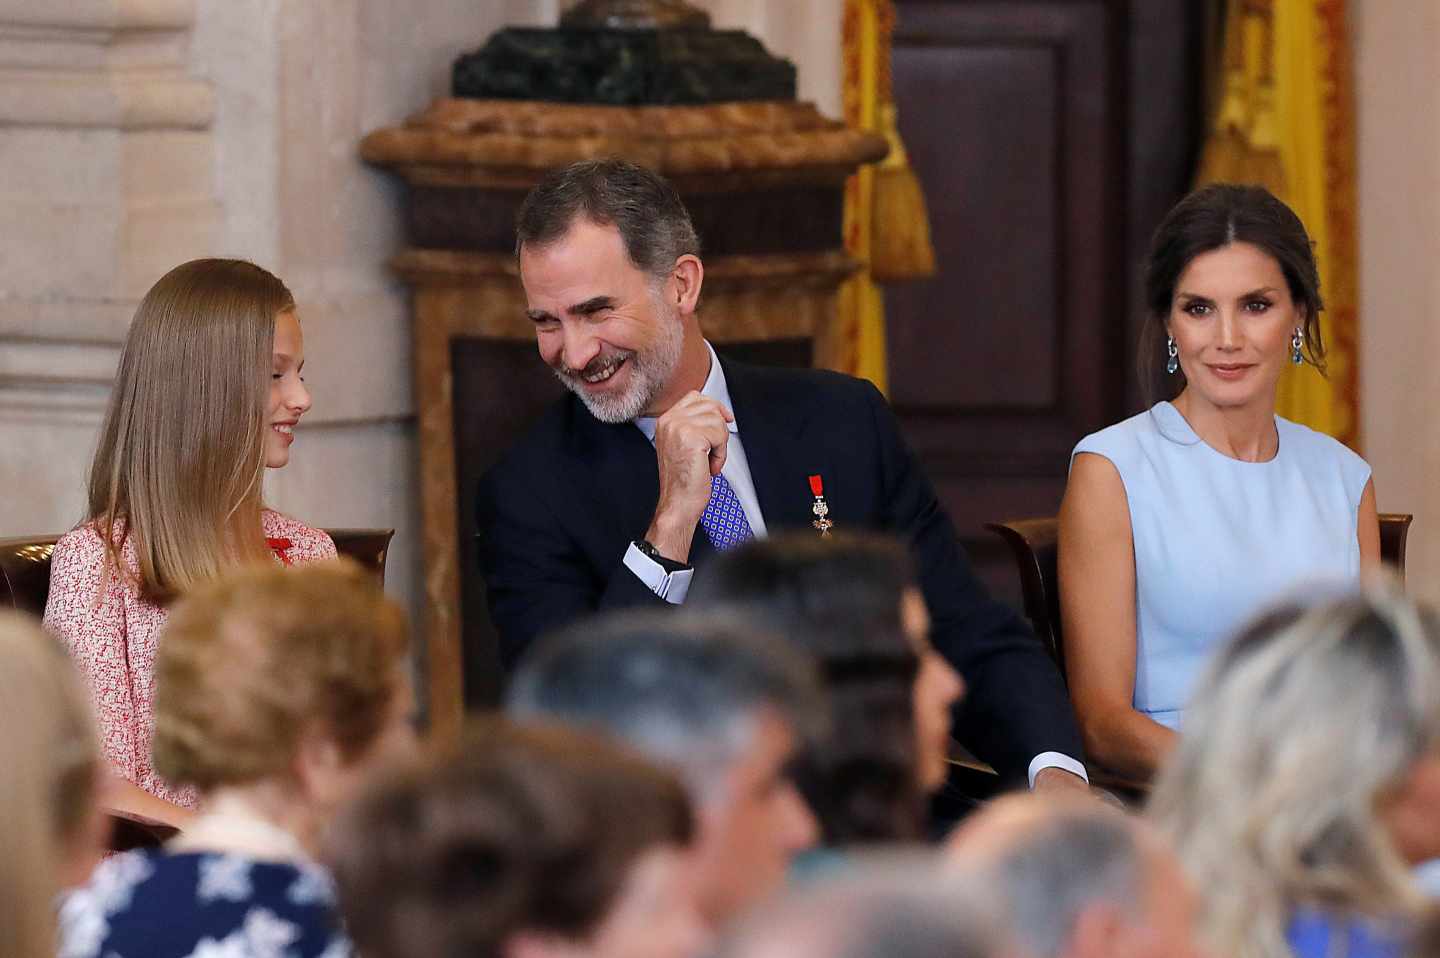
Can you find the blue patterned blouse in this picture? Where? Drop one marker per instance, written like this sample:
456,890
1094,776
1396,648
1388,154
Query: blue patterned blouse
1314,934
202,905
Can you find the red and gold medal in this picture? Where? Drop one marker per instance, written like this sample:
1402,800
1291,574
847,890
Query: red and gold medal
821,508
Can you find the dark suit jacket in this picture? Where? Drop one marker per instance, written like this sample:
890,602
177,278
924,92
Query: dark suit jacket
559,511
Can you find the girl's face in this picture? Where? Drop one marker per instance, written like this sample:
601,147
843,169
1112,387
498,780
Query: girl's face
289,399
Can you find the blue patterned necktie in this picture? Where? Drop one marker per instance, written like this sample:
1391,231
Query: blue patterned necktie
723,520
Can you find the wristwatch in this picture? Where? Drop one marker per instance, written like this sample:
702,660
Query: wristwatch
669,565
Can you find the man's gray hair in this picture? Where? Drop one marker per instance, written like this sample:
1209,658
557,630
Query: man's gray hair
640,203
897,906
1064,865
686,689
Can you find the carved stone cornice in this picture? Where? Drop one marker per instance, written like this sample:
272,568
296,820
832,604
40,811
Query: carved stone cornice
102,15
745,299
104,100
510,144
106,64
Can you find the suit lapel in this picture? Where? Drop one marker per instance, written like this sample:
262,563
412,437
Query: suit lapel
771,421
615,473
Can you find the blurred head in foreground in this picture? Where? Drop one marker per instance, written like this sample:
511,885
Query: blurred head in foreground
726,710
1075,878
49,774
282,688
900,908
852,602
525,842
1307,779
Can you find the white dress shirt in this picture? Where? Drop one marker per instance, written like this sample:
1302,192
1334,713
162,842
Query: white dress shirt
674,586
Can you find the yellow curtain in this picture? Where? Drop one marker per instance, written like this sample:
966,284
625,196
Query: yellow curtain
886,228
1284,118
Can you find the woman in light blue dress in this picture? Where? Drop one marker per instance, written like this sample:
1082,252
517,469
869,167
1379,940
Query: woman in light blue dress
1180,523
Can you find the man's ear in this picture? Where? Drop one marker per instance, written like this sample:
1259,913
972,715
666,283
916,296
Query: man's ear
687,278
318,765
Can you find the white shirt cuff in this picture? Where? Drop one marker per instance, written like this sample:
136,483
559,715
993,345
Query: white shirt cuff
1049,760
670,586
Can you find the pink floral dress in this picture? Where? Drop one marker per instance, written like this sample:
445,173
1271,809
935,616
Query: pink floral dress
111,633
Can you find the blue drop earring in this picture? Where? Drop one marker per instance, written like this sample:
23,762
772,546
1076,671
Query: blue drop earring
1173,352
1296,341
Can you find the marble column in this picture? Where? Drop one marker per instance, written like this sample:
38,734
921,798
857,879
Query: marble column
106,141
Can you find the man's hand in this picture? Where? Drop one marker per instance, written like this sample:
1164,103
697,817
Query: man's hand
690,443
1056,781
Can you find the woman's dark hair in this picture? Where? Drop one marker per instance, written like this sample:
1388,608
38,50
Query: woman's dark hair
839,598
529,828
1212,217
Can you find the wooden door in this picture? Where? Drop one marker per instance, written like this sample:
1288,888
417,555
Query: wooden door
1050,136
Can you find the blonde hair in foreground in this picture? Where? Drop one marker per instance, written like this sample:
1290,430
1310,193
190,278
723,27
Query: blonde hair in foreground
1305,721
251,662
181,455
49,770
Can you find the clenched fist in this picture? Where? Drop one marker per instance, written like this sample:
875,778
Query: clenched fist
690,442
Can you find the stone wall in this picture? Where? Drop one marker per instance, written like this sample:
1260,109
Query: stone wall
1398,113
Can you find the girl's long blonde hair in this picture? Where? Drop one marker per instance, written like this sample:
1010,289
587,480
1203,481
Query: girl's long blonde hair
179,466
49,770
1305,721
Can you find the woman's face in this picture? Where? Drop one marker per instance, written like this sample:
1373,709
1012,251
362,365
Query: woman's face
289,399
654,915
1232,318
937,688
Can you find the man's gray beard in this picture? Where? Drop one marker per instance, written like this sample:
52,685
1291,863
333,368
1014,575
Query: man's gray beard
651,370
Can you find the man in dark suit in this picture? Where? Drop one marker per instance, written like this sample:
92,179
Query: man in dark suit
665,453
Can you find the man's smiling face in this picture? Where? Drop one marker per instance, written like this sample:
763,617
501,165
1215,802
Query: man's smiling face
601,323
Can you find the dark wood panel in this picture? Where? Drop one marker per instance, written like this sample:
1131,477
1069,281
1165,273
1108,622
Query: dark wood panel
500,388
997,223
1170,42
1050,137
795,219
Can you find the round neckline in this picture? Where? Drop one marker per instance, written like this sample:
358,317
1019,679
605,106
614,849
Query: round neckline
1176,417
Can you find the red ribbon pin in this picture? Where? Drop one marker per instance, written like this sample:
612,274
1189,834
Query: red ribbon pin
281,547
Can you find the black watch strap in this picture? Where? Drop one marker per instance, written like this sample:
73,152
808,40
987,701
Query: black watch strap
669,565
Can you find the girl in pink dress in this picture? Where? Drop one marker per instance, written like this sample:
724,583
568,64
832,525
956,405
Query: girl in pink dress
206,397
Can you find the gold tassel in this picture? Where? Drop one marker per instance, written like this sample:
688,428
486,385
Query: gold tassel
900,246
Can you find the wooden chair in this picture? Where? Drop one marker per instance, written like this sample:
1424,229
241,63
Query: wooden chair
369,547
1034,544
25,563
25,573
